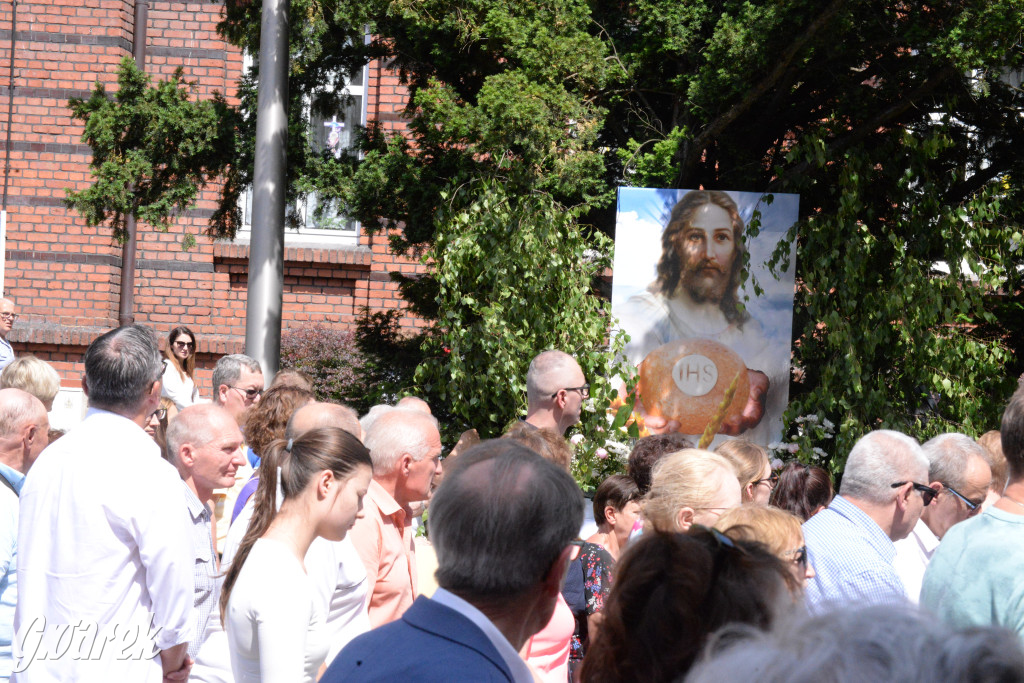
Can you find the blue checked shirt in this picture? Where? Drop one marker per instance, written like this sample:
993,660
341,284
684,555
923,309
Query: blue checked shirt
207,590
852,559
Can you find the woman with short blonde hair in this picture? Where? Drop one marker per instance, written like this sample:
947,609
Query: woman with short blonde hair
777,530
690,487
35,376
753,469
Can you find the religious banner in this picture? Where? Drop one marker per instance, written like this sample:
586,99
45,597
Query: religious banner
708,347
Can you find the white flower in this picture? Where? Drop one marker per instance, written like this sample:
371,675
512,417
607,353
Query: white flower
812,418
601,453
588,406
827,424
775,446
793,448
617,447
777,464
820,453
575,439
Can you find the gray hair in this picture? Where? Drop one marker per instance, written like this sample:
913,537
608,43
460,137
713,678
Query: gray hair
229,368
500,519
396,432
120,368
544,377
879,643
33,375
366,421
193,425
878,460
1011,434
16,408
948,455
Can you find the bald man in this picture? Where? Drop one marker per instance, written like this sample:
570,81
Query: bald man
24,430
7,317
555,391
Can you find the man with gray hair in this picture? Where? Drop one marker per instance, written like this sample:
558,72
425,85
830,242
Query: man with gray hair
7,317
24,431
957,469
503,523
850,543
555,391
974,578
103,540
204,444
237,386
405,446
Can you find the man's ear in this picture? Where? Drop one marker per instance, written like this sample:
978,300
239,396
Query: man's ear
405,464
85,387
187,454
903,498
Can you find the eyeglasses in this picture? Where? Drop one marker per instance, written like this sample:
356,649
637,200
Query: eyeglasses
772,481
584,391
971,505
250,394
185,344
927,492
9,316
799,557
160,414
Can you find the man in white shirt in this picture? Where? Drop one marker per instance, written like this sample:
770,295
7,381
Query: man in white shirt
497,587
7,317
24,431
960,473
104,547
205,445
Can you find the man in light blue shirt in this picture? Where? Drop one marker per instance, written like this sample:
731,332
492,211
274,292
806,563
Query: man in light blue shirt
975,577
850,543
25,434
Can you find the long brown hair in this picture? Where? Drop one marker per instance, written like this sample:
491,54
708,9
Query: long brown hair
267,419
189,367
313,451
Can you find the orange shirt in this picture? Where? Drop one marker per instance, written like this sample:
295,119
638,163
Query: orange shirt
384,540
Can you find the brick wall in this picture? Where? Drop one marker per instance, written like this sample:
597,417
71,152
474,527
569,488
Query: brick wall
65,276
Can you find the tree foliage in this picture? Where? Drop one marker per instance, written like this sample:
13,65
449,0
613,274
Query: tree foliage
154,149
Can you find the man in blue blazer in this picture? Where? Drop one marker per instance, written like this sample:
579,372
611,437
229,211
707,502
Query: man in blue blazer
502,524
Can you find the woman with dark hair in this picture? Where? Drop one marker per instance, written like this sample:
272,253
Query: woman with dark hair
179,368
616,510
803,490
671,592
313,487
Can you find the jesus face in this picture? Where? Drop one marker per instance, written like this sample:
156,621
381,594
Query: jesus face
708,248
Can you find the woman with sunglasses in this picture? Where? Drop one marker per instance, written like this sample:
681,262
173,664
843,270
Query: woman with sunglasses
777,530
753,469
179,368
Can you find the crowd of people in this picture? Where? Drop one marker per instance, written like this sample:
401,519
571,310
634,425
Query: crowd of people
260,535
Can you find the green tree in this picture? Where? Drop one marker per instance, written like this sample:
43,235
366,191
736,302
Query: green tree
153,149
898,124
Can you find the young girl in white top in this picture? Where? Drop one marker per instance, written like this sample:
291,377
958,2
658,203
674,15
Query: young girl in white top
273,621
179,368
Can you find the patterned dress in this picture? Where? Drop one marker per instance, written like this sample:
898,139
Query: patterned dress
585,589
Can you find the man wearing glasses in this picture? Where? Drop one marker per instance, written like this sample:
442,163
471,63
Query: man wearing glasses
7,318
850,543
237,386
961,475
555,391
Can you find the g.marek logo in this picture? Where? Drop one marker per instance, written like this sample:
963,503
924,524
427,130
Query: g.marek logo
38,641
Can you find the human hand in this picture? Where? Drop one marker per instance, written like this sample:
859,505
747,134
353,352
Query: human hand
753,411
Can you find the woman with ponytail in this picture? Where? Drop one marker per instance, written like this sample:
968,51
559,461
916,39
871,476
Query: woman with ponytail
311,486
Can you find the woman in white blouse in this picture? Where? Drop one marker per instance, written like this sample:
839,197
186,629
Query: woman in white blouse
179,368
273,618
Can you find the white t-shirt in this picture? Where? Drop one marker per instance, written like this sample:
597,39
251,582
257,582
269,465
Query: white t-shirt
274,622
182,391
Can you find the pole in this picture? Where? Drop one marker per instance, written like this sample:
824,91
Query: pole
266,249
126,313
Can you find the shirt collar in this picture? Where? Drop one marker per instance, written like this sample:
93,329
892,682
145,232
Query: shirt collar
520,671
12,475
928,540
382,499
197,508
875,536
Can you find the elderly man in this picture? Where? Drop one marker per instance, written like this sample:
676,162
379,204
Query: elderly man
205,445
498,586
555,391
7,317
237,386
405,446
958,471
974,578
104,539
23,435
850,543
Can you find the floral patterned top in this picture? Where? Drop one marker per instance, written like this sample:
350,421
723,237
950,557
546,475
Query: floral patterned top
585,589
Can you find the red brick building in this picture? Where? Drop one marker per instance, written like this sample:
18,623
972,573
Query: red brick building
65,276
